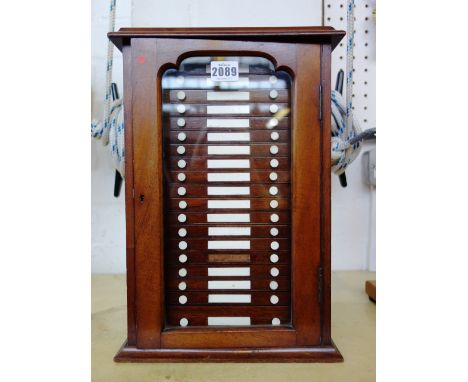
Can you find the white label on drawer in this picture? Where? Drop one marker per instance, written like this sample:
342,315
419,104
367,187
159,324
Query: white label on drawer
228,321
228,123
228,109
231,271
224,70
228,203
228,218
219,137
231,284
229,244
228,150
228,231
227,96
228,163
229,177
228,298
228,190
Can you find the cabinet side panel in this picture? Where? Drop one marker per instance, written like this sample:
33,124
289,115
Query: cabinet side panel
129,210
306,171
326,194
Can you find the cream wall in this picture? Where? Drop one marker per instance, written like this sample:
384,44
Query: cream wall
353,215
107,212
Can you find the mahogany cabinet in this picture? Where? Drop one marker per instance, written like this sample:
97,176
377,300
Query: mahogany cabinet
227,150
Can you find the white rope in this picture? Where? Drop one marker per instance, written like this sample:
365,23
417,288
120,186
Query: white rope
345,149
111,129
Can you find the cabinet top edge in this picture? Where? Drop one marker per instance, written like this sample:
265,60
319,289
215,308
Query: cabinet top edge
304,34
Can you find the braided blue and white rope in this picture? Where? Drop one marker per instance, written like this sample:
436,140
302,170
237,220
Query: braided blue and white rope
345,149
111,129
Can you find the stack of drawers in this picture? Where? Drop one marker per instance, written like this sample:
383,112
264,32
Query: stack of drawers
227,193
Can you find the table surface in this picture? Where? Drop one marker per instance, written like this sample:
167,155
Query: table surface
353,330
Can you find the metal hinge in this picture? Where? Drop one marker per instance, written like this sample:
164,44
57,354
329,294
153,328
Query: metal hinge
320,284
320,101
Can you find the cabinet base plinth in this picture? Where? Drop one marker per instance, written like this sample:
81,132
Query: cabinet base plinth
299,354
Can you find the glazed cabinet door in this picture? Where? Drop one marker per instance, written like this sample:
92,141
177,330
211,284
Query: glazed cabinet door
227,198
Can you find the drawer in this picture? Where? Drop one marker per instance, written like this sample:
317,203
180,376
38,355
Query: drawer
220,298
191,190
198,316
282,284
206,258
226,124
202,205
227,151
246,137
254,271
228,176
235,231
209,96
229,244
226,110
203,164
228,218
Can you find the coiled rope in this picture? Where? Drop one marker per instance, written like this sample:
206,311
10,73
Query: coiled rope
111,129
346,132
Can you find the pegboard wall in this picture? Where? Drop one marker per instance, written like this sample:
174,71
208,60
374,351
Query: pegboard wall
334,14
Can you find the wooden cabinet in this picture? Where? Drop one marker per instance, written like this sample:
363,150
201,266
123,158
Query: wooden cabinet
227,148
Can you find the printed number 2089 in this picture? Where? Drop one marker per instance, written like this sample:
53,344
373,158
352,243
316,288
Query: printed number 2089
224,71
